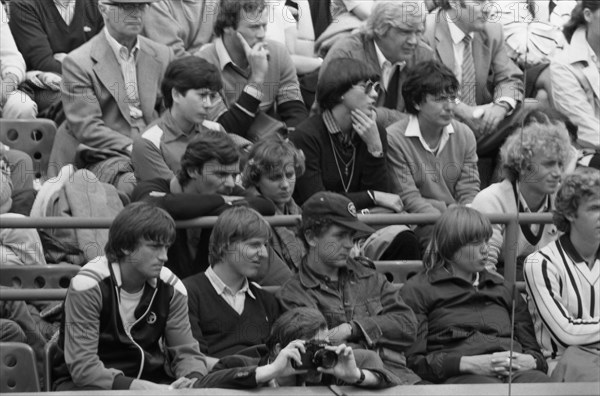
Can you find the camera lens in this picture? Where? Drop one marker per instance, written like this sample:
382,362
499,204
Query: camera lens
325,358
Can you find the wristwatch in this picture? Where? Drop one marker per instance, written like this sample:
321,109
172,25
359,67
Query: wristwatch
361,379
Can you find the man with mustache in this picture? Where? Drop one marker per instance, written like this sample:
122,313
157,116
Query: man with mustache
110,93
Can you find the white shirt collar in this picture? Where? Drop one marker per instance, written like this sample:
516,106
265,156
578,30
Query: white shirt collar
117,47
413,130
381,59
222,53
220,286
456,33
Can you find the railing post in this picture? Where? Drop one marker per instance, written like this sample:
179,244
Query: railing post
511,237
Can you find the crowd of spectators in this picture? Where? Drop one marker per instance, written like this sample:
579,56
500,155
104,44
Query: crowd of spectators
321,109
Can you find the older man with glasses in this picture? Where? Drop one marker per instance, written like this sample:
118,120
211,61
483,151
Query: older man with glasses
110,93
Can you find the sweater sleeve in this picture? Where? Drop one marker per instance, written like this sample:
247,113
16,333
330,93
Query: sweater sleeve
82,333
312,179
194,301
467,185
230,372
544,285
290,106
181,347
31,38
402,174
374,175
240,116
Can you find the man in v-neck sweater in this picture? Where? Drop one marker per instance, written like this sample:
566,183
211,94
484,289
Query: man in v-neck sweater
227,312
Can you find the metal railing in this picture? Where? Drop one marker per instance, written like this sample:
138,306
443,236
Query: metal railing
511,235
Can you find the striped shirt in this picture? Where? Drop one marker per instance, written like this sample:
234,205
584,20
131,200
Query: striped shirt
563,297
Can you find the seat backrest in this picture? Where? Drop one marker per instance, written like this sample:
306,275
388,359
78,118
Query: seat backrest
399,271
18,372
34,137
56,276
50,350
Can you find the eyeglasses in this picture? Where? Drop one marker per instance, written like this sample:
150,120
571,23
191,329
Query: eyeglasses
209,97
443,98
369,86
128,6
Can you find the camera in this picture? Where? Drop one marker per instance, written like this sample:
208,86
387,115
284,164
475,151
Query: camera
316,356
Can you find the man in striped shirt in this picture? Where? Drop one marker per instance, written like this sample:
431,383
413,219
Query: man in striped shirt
563,282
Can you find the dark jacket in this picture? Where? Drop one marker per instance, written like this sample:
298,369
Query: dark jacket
459,319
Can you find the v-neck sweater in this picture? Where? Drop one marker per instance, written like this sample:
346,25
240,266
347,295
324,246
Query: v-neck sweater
219,329
40,31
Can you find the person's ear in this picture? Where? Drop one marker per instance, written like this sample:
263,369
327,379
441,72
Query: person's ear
418,106
276,349
176,95
311,238
587,15
193,173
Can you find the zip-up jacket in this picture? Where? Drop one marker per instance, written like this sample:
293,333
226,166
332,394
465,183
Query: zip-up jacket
98,351
456,319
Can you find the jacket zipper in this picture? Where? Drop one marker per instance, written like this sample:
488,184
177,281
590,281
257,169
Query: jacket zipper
128,331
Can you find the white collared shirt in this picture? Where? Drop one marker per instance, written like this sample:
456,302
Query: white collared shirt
235,300
387,68
458,47
66,9
414,130
127,60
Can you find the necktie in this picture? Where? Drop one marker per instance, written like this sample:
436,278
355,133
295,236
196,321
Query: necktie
391,96
468,74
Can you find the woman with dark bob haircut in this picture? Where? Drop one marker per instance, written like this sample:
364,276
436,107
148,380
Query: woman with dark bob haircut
345,150
464,312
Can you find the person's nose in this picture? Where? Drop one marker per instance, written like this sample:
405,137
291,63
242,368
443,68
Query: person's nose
262,251
163,253
229,181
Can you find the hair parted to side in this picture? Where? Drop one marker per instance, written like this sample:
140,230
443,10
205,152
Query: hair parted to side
516,153
578,18
138,221
231,11
577,187
190,72
204,147
338,77
457,227
429,77
268,157
295,324
386,15
239,223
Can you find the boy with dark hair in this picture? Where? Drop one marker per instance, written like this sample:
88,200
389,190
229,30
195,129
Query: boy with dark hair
204,186
190,90
227,311
125,323
362,308
279,363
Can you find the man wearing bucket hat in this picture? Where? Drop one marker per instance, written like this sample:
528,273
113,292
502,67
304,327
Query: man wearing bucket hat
362,308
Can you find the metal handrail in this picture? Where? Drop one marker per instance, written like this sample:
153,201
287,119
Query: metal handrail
510,220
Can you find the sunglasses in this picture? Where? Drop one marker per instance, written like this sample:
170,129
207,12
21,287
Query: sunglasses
369,86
